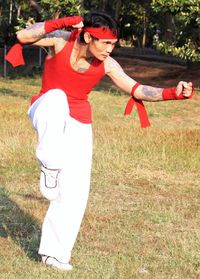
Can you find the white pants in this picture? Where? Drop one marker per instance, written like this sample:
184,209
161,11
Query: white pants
63,143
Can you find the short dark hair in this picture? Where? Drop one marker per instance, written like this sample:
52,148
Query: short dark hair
98,19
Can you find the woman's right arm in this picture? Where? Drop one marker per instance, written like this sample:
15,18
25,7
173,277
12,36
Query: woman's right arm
31,34
36,33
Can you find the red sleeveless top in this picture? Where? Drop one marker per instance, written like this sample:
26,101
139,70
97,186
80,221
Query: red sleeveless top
59,74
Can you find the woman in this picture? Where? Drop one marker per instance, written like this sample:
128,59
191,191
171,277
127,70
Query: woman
61,115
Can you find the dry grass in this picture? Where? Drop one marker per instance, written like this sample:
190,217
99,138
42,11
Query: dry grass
142,219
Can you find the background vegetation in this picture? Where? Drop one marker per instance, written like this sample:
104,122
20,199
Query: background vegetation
173,26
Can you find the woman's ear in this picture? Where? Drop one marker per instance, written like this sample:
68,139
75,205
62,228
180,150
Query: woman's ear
87,37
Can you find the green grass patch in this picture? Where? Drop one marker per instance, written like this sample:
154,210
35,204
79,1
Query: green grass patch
142,219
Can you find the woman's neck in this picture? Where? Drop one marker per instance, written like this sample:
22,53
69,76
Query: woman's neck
81,59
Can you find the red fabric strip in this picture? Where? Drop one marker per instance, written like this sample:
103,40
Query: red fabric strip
129,106
131,101
170,94
134,88
143,116
142,113
59,23
15,55
101,33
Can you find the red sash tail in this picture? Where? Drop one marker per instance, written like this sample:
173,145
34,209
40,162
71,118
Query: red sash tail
15,55
142,113
129,106
143,116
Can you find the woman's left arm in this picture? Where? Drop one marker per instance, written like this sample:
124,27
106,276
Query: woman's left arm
145,92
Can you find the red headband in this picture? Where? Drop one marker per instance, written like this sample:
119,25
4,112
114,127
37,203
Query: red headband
101,32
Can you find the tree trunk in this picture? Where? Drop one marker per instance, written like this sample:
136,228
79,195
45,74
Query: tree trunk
169,28
144,37
37,8
117,9
103,5
10,12
19,11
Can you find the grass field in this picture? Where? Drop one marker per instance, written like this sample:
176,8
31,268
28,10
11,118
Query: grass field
143,215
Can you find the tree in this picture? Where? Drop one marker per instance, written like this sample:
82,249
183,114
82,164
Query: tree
185,18
55,8
137,21
16,14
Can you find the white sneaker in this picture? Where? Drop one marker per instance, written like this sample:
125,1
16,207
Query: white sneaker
50,261
49,183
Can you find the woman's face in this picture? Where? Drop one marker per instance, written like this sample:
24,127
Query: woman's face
101,48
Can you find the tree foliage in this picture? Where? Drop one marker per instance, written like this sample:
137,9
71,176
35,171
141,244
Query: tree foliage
187,10
55,8
186,27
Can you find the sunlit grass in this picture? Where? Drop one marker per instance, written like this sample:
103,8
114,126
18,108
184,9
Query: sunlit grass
142,219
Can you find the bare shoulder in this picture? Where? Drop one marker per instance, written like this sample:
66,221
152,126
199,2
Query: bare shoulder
114,70
60,37
111,65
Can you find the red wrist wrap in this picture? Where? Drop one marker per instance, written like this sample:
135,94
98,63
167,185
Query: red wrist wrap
170,94
59,23
143,116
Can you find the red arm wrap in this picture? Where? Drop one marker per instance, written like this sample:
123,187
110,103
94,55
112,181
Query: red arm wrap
131,101
144,121
170,94
59,23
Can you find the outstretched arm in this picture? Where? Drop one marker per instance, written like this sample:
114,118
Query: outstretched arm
141,93
144,92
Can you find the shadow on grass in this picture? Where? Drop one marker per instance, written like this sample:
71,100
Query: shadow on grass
27,71
19,226
107,86
12,93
